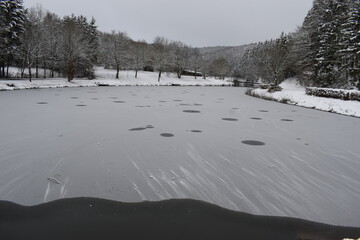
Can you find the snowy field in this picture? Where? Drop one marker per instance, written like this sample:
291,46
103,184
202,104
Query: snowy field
295,94
107,77
151,143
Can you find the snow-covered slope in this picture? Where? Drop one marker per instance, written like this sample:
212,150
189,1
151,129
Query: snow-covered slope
293,93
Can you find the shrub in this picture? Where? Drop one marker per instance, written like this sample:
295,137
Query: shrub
334,93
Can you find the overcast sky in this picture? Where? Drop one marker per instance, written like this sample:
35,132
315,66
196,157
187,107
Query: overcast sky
198,23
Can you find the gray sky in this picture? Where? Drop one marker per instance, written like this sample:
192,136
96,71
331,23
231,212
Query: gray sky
198,23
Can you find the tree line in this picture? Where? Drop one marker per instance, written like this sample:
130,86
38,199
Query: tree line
323,52
72,46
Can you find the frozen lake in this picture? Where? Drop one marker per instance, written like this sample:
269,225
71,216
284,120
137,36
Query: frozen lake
152,143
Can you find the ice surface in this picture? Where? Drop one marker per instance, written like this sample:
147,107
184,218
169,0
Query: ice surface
308,168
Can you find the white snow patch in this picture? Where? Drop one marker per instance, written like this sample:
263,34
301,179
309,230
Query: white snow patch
295,94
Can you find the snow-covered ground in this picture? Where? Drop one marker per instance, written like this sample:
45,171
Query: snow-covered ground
209,143
294,94
107,77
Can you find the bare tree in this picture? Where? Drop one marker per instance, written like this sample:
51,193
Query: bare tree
117,47
32,40
196,60
161,54
139,53
180,54
79,46
52,43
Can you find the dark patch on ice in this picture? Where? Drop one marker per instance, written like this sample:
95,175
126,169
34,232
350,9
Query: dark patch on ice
287,120
230,119
191,111
74,97
81,105
221,99
142,128
95,98
113,97
139,106
42,103
177,100
255,118
264,111
162,101
91,218
198,104
167,135
184,104
148,106
196,131
253,143
298,139
137,129
235,108
119,102
306,144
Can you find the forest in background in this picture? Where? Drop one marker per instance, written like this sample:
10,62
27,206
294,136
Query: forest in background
323,52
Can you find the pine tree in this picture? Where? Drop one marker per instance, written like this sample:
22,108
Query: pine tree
12,20
350,43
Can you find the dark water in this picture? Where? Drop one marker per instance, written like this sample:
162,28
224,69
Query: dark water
90,218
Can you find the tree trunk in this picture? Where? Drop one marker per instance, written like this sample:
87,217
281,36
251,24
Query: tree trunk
117,72
30,73
7,71
23,71
136,71
52,68
45,69
1,71
71,70
159,76
37,69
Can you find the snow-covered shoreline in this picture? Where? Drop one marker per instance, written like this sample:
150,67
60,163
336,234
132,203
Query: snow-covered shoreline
106,77
294,94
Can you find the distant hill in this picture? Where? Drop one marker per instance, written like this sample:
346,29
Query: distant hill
231,54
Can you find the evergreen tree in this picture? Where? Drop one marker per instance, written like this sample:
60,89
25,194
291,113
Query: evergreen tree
350,42
12,20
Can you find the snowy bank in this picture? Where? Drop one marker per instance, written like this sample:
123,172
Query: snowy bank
293,93
106,77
